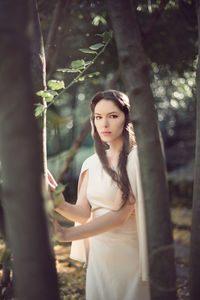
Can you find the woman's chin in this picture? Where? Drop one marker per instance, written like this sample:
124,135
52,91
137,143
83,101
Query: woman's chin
106,139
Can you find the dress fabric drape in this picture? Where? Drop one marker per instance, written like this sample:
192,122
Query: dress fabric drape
117,259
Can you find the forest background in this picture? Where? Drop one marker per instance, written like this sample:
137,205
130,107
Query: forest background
170,38
171,47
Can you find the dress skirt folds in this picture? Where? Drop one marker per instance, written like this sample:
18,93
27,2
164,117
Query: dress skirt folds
117,264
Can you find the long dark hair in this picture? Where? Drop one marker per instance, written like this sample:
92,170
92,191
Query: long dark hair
121,176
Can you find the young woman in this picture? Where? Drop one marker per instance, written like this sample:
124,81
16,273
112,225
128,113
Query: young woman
109,233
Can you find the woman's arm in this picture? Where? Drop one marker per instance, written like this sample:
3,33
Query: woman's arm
106,222
79,212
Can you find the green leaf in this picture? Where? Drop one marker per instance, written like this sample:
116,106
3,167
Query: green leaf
40,93
93,74
78,64
88,51
56,84
59,189
39,109
47,95
49,205
96,46
56,194
6,258
64,70
99,19
81,78
86,76
107,35
57,200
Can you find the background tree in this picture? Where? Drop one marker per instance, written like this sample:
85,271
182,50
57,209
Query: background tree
195,237
134,71
22,174
38,72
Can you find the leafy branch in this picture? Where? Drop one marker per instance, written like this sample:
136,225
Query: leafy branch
55,197
77,66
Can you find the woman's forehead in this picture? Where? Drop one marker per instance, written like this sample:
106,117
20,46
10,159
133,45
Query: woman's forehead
106,106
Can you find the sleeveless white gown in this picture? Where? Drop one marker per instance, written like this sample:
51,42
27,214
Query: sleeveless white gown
117,259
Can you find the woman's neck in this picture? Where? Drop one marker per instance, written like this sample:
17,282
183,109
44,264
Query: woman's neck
115,148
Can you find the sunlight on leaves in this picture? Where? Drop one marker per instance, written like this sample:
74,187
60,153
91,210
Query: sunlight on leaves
107,35
47,95
64,70
99,19
96,46
88,51
93,74
56,193
78,64
56,84
39,109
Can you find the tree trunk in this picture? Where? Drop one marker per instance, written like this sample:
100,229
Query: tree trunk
21,155
2,230
195,229
38,71
134,72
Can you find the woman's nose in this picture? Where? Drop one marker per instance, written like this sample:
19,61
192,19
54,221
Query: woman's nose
105,122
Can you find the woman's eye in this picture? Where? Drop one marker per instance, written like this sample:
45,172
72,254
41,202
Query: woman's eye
97,117
114,116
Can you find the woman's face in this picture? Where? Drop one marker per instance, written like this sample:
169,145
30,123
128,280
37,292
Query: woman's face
109,120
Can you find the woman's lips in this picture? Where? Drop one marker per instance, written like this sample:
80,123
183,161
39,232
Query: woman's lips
106,132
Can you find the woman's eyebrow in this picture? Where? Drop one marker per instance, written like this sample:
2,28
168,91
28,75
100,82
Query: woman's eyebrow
113,112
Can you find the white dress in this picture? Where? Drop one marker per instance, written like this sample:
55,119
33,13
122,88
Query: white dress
117,259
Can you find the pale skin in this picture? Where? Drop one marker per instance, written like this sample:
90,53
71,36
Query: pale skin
109,122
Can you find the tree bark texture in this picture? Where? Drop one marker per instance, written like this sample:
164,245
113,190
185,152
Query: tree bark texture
21,154
38,71
134,73
2,230
195,229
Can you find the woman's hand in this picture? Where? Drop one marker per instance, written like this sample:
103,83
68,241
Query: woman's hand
60,232
51,182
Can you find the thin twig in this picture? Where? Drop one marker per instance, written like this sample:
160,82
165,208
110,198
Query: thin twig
80,74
